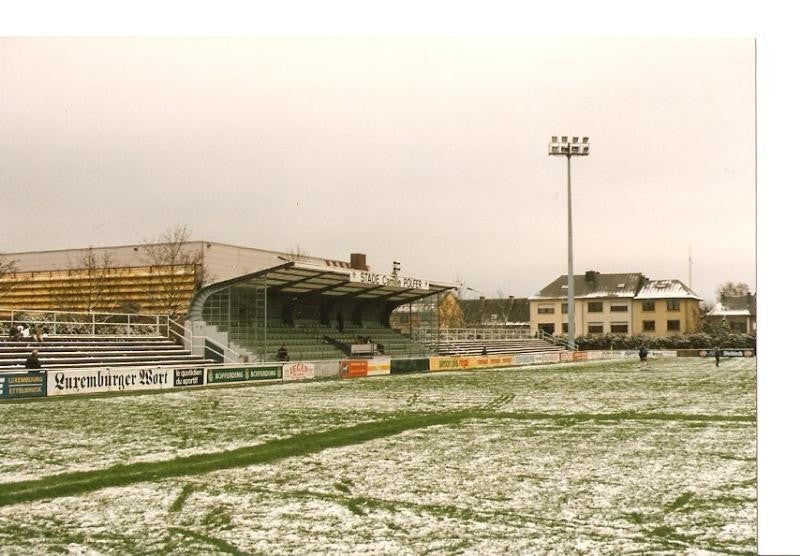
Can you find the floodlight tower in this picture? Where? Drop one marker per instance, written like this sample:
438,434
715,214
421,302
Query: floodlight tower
568,148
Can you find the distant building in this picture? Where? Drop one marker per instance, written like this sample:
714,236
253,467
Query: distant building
737,311
627,303
504,311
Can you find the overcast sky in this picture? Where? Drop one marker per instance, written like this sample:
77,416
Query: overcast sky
432,152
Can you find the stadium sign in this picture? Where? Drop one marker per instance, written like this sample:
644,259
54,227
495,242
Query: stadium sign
298,371
189,377
107,380
536,358
243,374
378,279
22,385
727,353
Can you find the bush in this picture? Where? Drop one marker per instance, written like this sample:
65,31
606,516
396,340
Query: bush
700,340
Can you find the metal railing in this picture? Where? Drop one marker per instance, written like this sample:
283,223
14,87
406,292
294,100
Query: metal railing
226,354
431,335
555,340
90,322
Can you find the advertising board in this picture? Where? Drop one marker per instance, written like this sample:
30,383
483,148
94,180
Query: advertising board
298,371
189,377
537,358
60,383
379,366
242,374
464,363
726,353
22,385
353,368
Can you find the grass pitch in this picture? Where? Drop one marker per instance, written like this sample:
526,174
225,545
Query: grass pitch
589,458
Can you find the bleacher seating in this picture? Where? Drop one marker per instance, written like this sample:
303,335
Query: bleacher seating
301,343
81,351
317,342
392,342
475,347
146,287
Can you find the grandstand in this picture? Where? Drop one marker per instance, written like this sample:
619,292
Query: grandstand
494,347
240,302
90,351
317,312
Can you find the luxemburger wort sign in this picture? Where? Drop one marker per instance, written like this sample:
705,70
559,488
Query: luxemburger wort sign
378,279
107,380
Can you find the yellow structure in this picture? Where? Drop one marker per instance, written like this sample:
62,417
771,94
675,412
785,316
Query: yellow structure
153,289
627,304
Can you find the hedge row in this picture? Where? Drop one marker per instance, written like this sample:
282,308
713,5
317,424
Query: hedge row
700,340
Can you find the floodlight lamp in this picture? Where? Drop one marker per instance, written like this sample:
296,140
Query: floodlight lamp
586,149
563,138
554,139
585,140
574,139
565,149
575,149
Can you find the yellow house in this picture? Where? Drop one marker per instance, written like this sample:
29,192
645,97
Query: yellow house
603,304
664,308
626,303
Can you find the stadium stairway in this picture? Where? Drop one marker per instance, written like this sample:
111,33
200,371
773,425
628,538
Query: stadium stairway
77,351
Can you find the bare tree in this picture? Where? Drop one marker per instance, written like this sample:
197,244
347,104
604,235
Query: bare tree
731,289
90,284
8,267
450,313
171,259
297,254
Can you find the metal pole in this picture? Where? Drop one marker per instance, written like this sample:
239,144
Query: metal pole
570,276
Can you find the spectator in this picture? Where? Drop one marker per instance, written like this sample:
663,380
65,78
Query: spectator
283,353
14,332
32,362
37,333
483,351
26,331
717,353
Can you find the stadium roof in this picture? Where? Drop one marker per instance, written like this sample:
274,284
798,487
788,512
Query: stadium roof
305,278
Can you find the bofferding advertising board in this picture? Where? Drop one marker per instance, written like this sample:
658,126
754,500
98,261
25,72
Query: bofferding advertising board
60,383
298,371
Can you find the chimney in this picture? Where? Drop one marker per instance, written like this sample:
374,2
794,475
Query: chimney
591,276
358,261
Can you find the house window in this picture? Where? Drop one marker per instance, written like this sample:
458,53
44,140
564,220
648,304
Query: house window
546,310
565,308
649,325
619,308
595,328
739,326
619,327
648,305
565,328
548,327
673,305
595,306
673,325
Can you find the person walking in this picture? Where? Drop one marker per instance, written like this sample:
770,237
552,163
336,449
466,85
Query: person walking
717,354
643,355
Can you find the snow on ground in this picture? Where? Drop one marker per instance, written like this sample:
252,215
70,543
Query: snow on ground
484,486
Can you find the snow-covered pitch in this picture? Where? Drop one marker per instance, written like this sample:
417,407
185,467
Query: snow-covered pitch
605,457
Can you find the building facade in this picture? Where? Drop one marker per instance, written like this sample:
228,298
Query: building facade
628,303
